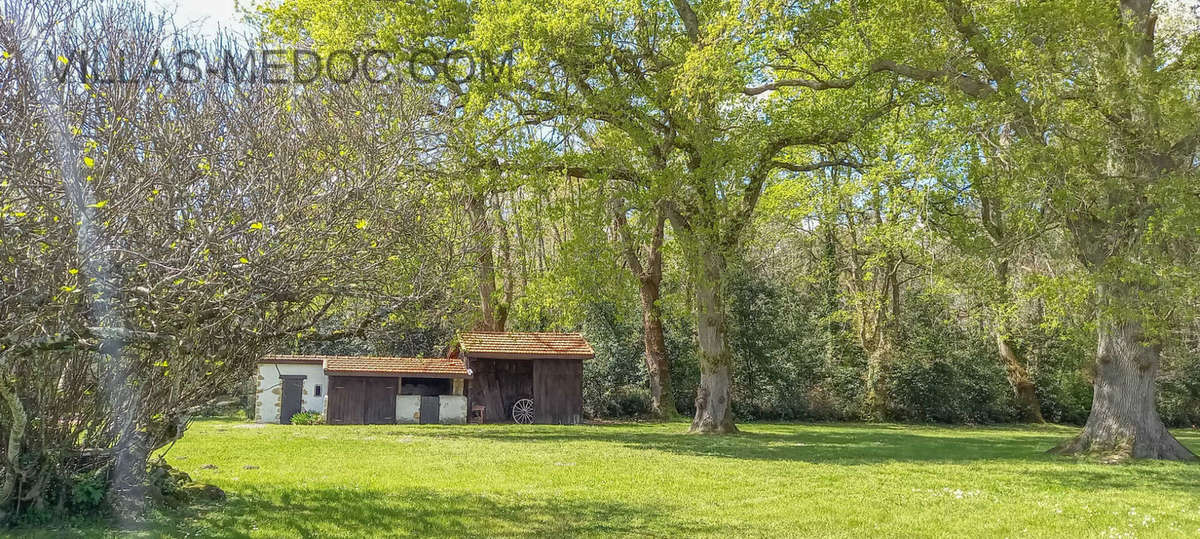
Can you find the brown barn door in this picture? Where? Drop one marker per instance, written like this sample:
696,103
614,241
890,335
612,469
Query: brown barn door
381,401
558,391
347,401
290,399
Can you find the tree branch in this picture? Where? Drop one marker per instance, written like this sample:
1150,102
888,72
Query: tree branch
678,220
970,33
627,247
804,83
816,166
688,16
968,85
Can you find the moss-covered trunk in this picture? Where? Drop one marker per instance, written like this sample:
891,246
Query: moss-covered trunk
714,414
1124,421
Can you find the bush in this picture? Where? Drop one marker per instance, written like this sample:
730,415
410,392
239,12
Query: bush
1058,363
1179,391
88,492
174,488
625,401
950,390
945,371
308,418
615,332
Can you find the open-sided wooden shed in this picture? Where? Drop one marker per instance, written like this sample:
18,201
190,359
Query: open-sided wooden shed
366,389
352,390
508,366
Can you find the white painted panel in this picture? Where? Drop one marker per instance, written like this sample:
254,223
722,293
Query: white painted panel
270,389
408,408
452,409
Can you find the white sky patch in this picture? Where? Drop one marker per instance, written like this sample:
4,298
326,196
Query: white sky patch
209,15
206,16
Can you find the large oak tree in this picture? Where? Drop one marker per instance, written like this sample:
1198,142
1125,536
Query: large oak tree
1102,115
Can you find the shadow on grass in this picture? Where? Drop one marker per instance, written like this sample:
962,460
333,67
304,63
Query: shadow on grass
842,444
867,445
325,512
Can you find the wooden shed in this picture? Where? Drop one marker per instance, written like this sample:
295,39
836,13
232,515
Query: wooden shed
546,368
351,390
370,390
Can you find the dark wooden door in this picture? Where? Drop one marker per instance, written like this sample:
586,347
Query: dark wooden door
558,391
430,409
290,399
347,400
381,401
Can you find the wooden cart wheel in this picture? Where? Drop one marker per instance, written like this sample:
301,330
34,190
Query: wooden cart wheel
523,411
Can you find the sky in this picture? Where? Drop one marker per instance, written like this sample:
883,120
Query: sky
211,14
207,15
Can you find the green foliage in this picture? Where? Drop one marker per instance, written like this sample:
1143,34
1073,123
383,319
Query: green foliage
1059,362
680,331
615,334
777,347
1179,393
960,215
628,401
308,418
946,372
88,492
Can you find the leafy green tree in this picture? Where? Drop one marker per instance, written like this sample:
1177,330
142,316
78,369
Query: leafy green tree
1103,121
702,146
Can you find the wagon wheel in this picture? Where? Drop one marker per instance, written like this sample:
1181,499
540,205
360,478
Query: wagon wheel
522,411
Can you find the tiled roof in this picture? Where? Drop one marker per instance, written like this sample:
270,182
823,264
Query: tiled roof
439,367
436,367
511,345
293,359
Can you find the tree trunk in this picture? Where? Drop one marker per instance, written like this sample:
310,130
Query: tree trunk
649,276
876,400
832,297
1022,384
11,468
713,411
878,335
127,481
485,265
662,399
1018,376
1124,422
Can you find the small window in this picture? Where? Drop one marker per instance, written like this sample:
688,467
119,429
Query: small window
317,390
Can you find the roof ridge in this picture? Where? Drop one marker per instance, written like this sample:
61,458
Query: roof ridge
327,356
524,332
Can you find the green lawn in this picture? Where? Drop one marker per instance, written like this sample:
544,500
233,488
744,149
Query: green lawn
774,480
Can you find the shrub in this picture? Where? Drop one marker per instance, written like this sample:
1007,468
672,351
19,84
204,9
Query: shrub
625,401
1179,393
308,418
949,390
87,494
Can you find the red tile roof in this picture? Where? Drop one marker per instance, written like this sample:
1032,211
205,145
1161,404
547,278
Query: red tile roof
432,367
293,359
512,345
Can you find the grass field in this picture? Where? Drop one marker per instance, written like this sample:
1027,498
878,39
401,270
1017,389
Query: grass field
843,480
